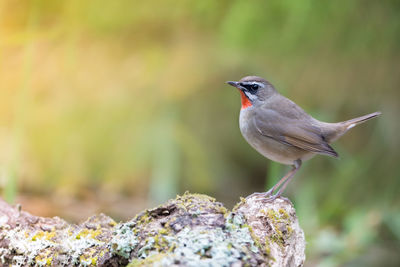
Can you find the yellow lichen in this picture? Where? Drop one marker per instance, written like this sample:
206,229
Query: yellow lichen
222,210
187,196
44,258
112,223
145,218
267,247
242,202
39,235
50,235
90,233
253,236
88,259
163,231
278,220
149,261
283,213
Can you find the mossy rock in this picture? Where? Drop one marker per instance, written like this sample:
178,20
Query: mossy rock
190,230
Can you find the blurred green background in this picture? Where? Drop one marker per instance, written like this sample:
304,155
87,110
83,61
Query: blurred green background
115,106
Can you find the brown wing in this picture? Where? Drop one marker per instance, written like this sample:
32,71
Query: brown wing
292,131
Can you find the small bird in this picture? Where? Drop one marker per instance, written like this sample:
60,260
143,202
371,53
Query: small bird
282,131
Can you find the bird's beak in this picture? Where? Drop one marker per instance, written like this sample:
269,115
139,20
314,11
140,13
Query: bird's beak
234,84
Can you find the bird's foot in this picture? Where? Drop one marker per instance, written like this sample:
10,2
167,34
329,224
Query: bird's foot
260,195
266,196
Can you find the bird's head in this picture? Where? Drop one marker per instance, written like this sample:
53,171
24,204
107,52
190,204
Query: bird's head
253,90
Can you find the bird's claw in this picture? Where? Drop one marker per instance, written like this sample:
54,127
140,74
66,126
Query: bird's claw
262,195
266,196
259,195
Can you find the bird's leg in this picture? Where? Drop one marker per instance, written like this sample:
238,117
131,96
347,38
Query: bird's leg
284,180
290,175
268,194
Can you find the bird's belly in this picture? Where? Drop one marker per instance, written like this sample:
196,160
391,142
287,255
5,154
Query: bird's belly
270,148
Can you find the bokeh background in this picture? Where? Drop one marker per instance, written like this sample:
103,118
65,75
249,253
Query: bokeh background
115,106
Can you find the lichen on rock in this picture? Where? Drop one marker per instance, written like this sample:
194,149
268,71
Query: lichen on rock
206,246
275,225
57,244
190,230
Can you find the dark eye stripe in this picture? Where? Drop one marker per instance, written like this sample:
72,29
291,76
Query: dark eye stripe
251,87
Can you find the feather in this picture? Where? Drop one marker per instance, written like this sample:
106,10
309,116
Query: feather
288,130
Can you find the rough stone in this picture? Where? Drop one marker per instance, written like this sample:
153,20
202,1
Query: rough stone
190,230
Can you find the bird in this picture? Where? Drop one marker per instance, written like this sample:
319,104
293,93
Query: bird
282,131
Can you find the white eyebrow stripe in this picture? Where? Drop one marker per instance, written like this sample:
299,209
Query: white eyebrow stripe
251,83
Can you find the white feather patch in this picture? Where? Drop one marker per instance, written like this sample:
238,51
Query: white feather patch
250,96
351,126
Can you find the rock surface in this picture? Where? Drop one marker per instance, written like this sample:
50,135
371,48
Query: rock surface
190,230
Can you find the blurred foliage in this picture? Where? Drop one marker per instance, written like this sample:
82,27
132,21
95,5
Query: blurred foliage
110,100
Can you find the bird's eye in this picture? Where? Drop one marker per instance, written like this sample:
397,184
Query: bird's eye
254,86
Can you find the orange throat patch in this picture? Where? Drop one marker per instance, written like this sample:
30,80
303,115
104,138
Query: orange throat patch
245,101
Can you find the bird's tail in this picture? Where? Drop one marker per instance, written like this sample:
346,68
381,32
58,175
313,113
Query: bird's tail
332,131
353,122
